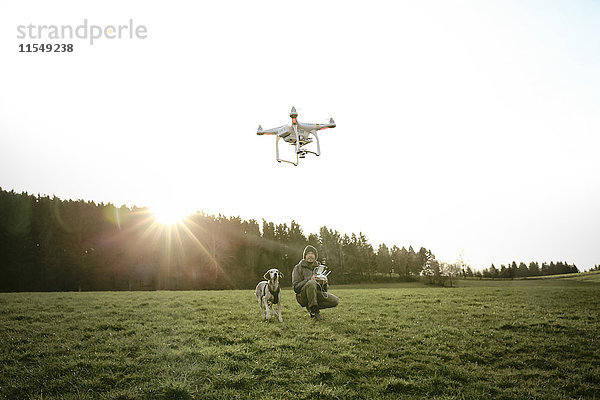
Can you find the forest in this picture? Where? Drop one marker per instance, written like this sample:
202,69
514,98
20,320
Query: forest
49,244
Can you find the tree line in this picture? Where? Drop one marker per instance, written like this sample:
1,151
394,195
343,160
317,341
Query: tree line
49,244
523,270
442,273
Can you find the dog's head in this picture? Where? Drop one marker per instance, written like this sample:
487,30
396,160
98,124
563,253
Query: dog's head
273,275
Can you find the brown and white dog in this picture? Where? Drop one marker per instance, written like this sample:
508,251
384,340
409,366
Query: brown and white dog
269,293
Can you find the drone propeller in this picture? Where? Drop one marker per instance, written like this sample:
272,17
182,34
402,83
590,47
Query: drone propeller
260,131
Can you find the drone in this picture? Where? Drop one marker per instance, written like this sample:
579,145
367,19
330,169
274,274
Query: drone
298,135
320,275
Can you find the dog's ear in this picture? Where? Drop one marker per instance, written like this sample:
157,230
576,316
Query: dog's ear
280,274
265,276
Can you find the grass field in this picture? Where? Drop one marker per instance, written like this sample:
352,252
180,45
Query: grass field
499,339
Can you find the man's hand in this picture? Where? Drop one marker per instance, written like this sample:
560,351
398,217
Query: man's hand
321,280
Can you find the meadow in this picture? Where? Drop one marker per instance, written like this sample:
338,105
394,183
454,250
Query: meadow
482,339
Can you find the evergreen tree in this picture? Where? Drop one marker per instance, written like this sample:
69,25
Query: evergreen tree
394,259
414,263
522,270
534,269
403,269
512,271
384,260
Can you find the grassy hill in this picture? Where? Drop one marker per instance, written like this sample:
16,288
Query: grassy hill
582,278
502,339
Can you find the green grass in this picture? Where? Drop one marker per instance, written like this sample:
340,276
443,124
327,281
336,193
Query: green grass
500,339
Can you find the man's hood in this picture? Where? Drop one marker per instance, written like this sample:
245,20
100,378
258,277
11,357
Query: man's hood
310,248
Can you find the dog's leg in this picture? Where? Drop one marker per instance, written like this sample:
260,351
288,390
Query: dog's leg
267,308
279,305
262,312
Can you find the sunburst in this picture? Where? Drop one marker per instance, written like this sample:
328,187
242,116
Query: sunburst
169,215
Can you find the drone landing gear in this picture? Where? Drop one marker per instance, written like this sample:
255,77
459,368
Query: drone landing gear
299,147
318,152
281,159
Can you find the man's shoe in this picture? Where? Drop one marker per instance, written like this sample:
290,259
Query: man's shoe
314,313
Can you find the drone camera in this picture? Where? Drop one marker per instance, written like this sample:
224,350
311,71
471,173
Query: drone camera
260,130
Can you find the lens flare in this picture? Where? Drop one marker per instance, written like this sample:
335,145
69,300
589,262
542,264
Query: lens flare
169,215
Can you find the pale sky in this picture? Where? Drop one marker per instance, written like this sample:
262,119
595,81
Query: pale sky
467,126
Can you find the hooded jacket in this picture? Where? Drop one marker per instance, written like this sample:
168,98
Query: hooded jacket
303,271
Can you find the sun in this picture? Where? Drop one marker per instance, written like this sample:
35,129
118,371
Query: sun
169,214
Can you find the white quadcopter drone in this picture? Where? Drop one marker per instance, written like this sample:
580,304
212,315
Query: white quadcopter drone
320,275
297,135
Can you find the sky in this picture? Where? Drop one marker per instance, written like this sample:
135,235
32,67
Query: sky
466,127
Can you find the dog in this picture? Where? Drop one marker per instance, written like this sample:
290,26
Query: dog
269,293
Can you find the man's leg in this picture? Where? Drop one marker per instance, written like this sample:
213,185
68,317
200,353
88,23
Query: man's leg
313,299
327,300
308,295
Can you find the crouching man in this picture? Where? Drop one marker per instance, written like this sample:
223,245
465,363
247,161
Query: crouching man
308,292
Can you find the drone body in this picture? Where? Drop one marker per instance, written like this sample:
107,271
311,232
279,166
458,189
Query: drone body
320,275
298,135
